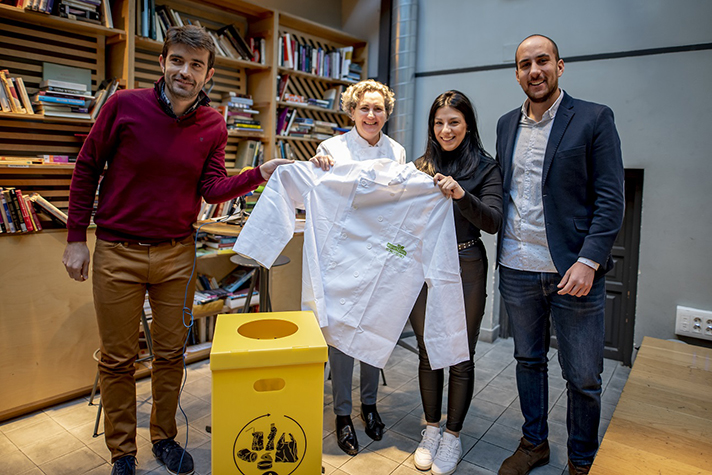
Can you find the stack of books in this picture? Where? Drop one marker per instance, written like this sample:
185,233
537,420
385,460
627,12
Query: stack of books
302,127
90,11
353,73
333,96
323,103
324,130
238,113
63,99
13,95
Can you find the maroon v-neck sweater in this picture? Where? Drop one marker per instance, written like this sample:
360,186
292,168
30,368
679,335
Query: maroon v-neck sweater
158,167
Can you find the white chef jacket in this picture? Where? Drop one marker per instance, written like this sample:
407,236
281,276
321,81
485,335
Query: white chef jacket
375,232
354,147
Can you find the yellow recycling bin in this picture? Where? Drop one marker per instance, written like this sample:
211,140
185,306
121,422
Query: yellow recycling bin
267,394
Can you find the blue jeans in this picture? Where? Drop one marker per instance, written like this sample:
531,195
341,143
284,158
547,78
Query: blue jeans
530,298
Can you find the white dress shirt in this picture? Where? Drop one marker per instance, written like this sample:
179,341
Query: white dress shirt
375,232
352,146
524,242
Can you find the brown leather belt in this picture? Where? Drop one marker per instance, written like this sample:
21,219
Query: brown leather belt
461,246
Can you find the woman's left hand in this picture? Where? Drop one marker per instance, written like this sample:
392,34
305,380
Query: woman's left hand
449,186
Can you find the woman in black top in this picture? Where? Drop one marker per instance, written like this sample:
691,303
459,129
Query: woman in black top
463,170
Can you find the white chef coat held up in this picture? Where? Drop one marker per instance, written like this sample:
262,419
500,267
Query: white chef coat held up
375,231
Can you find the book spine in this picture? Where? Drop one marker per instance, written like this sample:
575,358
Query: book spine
8,92
4,101
33,214
23,94
15,210
6,210
60,100
23,210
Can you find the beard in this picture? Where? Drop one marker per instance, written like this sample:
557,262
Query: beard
543,97
184,91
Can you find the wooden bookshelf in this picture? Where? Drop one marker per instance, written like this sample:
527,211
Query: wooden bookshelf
298,105
47,319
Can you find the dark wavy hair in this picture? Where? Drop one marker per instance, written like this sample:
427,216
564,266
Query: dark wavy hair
462,161
191,36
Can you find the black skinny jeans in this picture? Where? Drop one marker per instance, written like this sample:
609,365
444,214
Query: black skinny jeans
462,376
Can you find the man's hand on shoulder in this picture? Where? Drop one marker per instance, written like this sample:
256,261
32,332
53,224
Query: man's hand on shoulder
76,260
269,167
577,281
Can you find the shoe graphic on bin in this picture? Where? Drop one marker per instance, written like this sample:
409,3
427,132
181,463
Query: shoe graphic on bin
176,459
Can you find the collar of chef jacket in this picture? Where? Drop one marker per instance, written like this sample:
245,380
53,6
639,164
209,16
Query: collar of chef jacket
375,231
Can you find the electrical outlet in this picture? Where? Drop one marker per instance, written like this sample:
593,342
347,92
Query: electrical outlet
693,323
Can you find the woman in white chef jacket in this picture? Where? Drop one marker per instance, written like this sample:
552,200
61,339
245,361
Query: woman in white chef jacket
369,104
463,170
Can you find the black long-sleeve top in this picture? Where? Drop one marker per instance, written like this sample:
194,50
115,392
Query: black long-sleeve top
481,207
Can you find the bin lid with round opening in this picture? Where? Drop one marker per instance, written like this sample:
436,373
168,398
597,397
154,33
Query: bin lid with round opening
253,340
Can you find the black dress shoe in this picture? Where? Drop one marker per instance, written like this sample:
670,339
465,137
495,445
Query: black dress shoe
374,424
346,435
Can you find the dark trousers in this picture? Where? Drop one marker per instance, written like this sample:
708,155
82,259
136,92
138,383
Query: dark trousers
462,376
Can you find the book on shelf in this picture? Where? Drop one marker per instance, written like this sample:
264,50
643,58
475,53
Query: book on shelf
55,159
69,77
11,93
24,212
49,209
4,100
24,96
282,84
80,10
295,98
7,213
15,213
247,151
333,95
58,99
257,45
233,35
33,214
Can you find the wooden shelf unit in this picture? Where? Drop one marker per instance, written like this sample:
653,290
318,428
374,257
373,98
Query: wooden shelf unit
311,85
48,318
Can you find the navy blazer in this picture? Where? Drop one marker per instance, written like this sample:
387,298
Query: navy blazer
582,181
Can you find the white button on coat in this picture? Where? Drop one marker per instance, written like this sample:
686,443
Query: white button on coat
364,317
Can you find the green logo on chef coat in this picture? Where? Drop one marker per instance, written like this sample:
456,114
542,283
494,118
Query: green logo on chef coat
396,249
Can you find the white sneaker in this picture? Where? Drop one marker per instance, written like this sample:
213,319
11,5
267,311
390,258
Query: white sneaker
448,455
425,453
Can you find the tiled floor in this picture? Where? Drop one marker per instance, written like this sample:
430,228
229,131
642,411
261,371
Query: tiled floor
59,440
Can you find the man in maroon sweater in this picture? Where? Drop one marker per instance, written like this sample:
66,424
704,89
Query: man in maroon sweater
163,149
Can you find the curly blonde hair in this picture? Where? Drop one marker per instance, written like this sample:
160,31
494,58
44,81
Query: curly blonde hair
354,93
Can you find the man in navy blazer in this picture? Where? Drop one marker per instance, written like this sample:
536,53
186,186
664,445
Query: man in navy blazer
563,207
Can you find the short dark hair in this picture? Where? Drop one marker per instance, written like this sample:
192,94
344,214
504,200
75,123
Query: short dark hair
556,48
192,36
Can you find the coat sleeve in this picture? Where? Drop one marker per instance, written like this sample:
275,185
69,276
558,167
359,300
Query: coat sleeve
271,224
445,332
97,151
606,175
484,210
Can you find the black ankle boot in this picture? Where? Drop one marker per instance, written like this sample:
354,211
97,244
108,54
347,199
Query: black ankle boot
374,424
346,435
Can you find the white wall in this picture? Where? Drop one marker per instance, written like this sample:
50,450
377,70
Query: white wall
325,12
361,19
662,105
